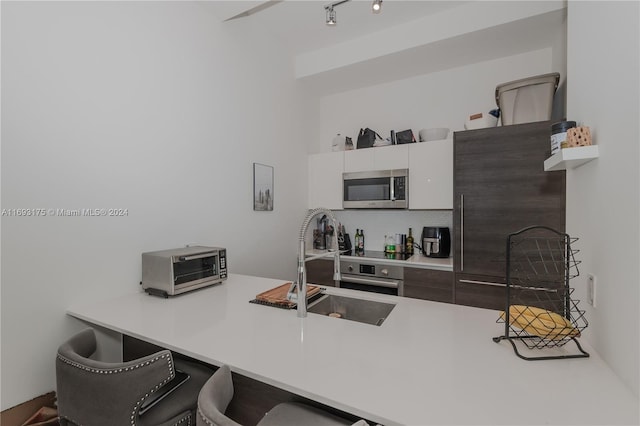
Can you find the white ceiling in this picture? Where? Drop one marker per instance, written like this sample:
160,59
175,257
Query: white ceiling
300,24
497,29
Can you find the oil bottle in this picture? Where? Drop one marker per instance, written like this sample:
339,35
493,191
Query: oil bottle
409,249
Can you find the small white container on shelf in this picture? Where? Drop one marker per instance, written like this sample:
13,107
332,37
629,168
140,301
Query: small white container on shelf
480,121
338,143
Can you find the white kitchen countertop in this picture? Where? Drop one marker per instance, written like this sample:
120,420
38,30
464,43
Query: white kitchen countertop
418,260
428,364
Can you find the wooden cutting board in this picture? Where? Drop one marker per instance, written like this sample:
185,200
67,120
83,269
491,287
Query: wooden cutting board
278,295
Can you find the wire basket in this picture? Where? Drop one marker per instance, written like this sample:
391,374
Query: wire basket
539,311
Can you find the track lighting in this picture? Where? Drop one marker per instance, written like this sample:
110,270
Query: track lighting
376,7
331,16
331,13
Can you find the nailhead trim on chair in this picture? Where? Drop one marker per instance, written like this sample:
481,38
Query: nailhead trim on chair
168,358
182,420
203,418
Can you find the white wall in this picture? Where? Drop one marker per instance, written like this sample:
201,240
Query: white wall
154,107
463,31
378,223
440,99
603,207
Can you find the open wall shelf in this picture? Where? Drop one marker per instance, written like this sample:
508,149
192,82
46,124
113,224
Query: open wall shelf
570,158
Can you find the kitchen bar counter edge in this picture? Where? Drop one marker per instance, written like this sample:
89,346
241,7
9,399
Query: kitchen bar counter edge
428,363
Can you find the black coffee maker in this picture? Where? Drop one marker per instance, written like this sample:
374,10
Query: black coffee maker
436,241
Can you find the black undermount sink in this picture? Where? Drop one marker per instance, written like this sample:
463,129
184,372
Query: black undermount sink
350,308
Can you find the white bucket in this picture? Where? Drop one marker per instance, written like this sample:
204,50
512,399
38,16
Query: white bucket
527,100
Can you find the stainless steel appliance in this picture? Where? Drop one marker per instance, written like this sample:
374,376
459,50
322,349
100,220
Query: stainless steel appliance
369,274
379,189
436,241
322,234
175,271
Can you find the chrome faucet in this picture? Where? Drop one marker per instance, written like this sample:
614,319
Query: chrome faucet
300,286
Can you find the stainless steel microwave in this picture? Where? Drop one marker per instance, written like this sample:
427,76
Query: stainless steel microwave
379,189
175,271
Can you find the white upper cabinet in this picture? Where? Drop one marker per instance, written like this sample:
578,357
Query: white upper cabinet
431,175
325,180
391,157
430,167
377,158
359,160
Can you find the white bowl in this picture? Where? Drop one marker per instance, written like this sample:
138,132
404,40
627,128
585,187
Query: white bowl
435,134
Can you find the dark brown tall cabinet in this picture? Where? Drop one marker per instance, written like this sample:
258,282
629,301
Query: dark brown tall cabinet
500,187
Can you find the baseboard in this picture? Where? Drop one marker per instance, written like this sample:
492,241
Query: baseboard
16,416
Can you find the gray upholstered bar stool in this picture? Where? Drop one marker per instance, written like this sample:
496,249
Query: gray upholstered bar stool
98,393
217,393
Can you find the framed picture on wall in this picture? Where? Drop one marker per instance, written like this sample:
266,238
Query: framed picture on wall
262,187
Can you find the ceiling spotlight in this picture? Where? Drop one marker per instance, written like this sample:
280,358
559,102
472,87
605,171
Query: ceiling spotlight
331,16
376,6
331,13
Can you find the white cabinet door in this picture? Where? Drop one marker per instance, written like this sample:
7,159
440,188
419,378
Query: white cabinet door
391,157
431,175
359,160
377,158
325,180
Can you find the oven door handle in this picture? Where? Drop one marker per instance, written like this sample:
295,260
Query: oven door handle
392,188
197,256
371,281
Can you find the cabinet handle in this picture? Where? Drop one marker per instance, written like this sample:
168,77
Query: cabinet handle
461,232
483,283
548,290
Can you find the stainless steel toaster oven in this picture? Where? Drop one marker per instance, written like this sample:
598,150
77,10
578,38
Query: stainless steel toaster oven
175,271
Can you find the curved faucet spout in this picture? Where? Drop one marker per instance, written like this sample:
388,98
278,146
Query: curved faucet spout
301,283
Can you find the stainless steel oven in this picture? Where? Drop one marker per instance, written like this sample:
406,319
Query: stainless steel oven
371,275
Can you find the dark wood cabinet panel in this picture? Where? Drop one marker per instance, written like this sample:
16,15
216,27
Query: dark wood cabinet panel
500,187
428,284
320,271
481,291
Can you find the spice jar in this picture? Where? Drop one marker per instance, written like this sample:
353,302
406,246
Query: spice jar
559,135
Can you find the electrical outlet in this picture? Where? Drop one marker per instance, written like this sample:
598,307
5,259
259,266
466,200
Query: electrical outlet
591,290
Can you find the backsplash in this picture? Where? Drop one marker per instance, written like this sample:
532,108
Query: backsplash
378,223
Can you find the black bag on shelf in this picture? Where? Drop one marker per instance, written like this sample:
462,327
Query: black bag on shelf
366,138
405,136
